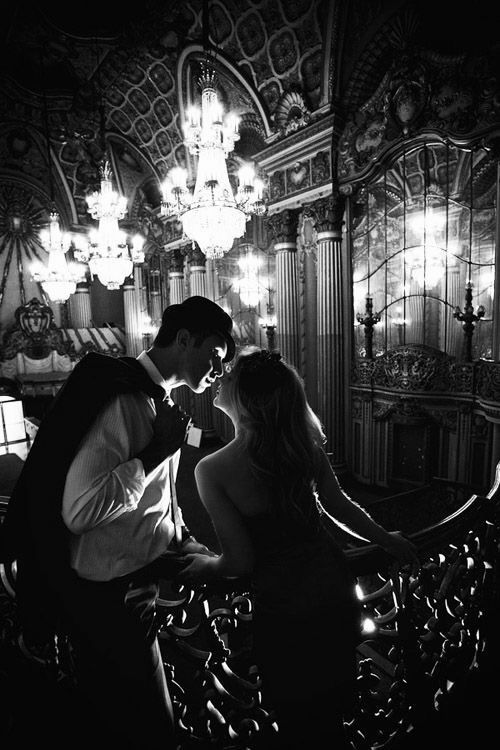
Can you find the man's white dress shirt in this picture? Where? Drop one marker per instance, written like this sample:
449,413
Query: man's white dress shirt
119,519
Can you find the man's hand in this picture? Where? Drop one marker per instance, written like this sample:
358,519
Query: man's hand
191,546
169,432
199,568
171,424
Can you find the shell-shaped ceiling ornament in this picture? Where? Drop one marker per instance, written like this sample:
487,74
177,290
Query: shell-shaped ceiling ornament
291,113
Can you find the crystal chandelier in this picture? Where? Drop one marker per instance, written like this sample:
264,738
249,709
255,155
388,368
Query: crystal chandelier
109,253
212,215
58,278
247,283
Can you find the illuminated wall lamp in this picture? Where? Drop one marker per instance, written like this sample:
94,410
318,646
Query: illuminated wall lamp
13,438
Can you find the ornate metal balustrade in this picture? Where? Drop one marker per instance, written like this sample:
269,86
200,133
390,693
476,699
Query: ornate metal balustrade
425,634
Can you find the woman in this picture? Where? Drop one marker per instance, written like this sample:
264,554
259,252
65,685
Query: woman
267,492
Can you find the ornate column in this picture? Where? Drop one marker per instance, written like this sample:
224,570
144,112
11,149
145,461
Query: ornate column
155,307
495,312
197,278
176,276
198,285
181,395
327,214
79,306
308,313
212,280
133,310
283,229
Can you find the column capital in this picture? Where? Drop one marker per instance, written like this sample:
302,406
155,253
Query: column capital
129,283
196,257
290,246
176,261
82,287
327,213
283,226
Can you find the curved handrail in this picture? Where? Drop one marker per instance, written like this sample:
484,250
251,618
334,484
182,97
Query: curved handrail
365,557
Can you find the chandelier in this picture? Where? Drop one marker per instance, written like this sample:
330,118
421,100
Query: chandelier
212,215
58,278
109,252
247,283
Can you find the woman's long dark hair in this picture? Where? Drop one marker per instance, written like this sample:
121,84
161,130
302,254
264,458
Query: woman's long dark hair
279,429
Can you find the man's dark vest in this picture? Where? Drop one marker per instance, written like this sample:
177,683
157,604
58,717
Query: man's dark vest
33,532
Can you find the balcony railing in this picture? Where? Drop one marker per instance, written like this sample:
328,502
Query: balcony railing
424,636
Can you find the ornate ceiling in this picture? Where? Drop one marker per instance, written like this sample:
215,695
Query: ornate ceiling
283,65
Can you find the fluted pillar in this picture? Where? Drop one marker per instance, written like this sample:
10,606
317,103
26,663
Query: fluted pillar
495,312
198,286
155,307
133,311
79,306
181,395
327,214
283,229
197,276
212,281
176,277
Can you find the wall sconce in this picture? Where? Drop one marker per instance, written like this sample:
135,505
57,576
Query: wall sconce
13,438
368,320
468,318
148,331
269,325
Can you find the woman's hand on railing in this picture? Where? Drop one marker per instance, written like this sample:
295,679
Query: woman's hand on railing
403,549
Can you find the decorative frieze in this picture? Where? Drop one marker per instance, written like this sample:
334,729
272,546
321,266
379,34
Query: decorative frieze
420,93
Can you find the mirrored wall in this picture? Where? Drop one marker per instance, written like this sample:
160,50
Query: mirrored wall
424,231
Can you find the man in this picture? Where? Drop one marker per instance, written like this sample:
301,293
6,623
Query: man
92,516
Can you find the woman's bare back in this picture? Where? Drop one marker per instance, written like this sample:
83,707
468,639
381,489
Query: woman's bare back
231,468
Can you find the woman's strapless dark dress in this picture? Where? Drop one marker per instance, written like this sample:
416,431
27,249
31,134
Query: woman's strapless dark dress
306,616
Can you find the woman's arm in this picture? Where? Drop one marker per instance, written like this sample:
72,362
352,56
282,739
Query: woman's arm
237,554
355,520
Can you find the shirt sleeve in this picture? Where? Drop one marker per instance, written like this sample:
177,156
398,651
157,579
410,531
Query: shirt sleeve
103,481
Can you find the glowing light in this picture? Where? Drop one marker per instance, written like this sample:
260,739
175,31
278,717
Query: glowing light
212,215
109,254
58,278
368,626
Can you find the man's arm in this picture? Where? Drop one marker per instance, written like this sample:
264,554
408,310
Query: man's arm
105,480
169,432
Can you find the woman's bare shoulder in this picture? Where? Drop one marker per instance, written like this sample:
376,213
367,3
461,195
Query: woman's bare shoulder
221,459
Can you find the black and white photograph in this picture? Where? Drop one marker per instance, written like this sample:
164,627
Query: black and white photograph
249,374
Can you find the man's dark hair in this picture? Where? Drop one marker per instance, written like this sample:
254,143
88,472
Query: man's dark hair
201,317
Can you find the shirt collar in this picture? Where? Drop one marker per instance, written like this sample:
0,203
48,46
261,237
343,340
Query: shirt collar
153,371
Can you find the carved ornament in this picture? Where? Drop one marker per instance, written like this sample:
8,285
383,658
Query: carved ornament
454,97
407,410
327,212
283,226
34,333
291,113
